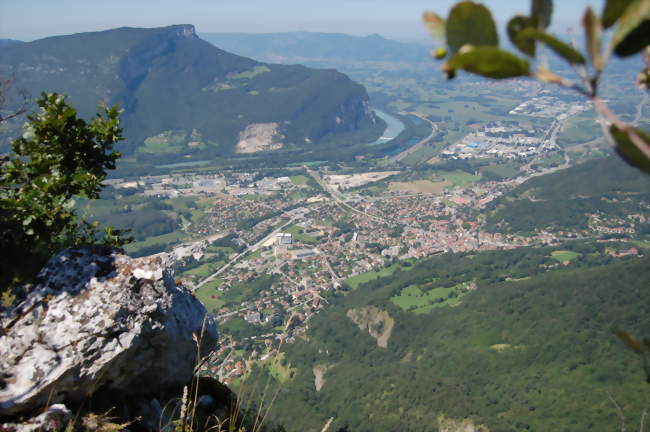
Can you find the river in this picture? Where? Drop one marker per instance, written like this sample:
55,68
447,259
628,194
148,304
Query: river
394,128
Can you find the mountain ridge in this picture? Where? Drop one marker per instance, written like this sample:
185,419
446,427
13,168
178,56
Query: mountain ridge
318,49
171,83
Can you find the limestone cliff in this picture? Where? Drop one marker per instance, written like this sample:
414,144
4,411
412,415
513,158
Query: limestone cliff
101,329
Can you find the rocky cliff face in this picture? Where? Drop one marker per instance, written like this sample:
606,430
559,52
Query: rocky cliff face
101,327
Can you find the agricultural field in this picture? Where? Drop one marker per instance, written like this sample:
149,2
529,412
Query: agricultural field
420,186
208,295
504,171
414,300
204,270
250,74
299,180
359,279
298,234
164,239
167,142
460,178
579,130
277,367
564,255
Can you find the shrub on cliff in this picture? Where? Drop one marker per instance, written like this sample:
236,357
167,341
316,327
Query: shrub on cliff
58,157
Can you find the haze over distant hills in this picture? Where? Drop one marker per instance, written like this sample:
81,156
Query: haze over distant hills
183,96
7,42
318,49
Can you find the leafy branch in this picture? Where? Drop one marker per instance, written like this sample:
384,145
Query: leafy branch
58,158
471,43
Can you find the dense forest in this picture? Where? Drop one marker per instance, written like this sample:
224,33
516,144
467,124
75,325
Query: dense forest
565,200
532,347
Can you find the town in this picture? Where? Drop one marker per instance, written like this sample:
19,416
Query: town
269,251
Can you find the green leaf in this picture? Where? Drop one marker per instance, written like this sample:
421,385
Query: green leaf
633,31
490,62
440,53
59,157
541,13
560,48
628,150
435,24
593,30
515,26
470,23
613,10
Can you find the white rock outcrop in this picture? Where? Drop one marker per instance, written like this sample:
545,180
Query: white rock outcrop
99,320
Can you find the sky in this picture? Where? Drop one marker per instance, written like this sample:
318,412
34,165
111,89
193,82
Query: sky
33,19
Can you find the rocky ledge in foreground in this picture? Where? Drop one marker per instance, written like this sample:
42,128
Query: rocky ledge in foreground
100,328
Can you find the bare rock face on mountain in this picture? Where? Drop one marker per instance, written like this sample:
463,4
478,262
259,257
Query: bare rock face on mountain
182,96
378,323
100,323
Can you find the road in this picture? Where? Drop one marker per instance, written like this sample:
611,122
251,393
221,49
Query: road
335,279
336,196
415,147
253,248
550,141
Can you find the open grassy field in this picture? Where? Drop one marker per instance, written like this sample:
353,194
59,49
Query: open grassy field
508,170
169,238
299,180
460,178
563,255
357,280
252,73
253,255
413,299
250,197
166,142
307,163
299,235
641,243
275,366
579,130
226,250
204,270
209,296
419,186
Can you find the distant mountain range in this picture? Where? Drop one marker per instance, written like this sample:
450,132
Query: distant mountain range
182,96
7,42
319,49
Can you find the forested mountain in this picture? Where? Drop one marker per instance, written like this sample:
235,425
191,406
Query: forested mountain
183,96
573,199
525,344
513,340
7,42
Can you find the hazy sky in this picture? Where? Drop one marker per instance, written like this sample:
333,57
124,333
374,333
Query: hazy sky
33,19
